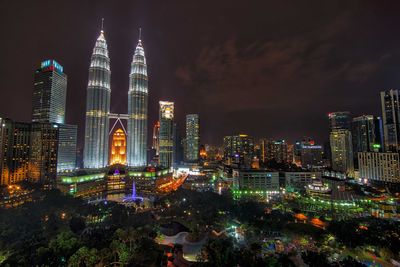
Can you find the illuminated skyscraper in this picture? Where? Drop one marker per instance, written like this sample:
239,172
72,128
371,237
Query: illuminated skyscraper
339,120
274,149
137,109
341,142
166,133
49,93
342,151
238,149
14,151
97,107
66,151
363,133
53,150
192,137
391,119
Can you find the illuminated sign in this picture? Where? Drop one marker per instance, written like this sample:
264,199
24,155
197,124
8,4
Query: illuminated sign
167,109
52,64
376,145
313,147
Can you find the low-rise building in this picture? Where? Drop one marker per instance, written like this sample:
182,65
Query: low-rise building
256,180
88,185
298,181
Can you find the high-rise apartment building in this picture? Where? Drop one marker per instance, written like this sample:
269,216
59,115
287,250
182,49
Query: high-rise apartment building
53,150
238,149
342,151
192,137
14,151
43,156
166,140
274,149
49,93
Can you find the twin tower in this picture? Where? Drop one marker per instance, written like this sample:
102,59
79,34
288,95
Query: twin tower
96,149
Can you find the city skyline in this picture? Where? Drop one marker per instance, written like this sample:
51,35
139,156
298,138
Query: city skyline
338,77
199,133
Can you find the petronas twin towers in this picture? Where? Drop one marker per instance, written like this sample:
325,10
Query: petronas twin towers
98,108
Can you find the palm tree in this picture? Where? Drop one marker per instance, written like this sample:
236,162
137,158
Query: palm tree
131,235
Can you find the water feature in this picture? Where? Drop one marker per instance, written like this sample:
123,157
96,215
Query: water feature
133,197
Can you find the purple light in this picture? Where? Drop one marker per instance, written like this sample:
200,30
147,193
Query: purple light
133,197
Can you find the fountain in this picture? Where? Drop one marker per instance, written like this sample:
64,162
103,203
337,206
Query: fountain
133,197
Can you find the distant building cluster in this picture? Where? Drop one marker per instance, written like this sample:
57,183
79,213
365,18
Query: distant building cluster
365,147
39,150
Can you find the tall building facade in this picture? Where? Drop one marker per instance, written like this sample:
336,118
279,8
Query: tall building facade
391,120
49,93
238,148
166,139
43,156
342,151
66,150
192,137
339,120
179,143
363,134
137,109
379,167
53,150
379,138
311,156
14,151
274,149
97,107
341,142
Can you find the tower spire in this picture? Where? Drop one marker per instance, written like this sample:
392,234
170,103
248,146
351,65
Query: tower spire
102,24
140,34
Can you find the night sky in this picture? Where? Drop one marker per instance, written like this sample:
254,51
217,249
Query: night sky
266,68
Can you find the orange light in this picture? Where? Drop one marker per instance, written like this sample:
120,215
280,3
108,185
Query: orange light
300,216
118,148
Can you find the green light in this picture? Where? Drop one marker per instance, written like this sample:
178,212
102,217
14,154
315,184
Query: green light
81,179
376,146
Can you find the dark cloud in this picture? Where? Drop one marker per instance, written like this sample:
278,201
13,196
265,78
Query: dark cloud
267,68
